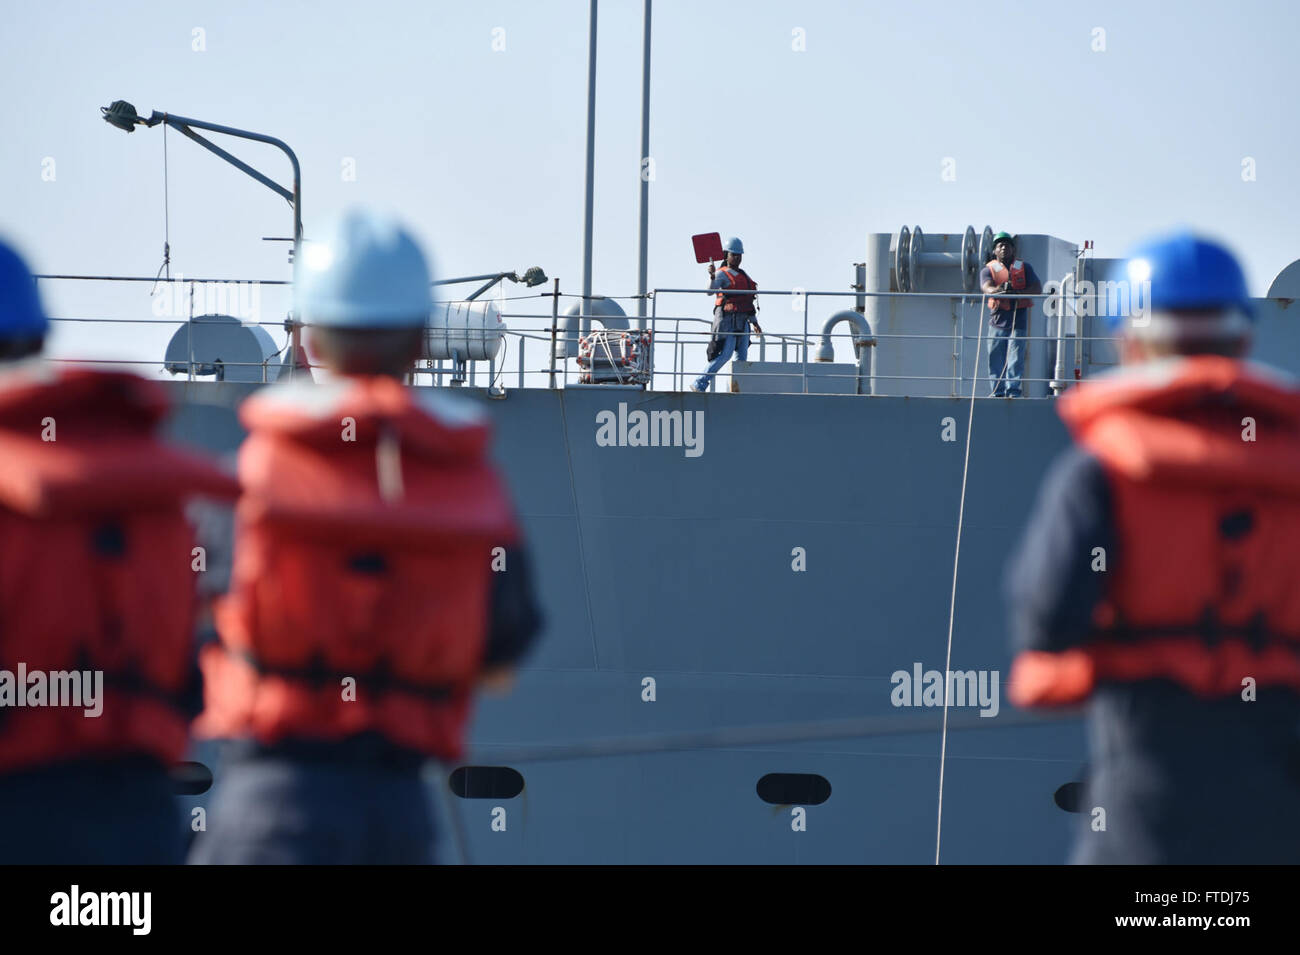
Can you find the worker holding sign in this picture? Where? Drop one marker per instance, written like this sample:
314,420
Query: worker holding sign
734,311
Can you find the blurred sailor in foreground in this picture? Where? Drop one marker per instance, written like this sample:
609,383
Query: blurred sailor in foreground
98,681
364,609
1157,580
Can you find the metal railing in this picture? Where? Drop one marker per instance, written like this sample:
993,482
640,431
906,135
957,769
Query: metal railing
530,342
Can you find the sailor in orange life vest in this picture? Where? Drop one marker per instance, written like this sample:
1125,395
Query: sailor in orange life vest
364,611
98,677
1156,580
1008,317
735,309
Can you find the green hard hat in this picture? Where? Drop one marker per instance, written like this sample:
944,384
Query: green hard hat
1004,235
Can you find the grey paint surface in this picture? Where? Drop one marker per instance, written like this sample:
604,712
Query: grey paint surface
652,563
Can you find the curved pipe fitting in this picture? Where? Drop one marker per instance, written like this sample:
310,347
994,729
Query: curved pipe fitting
863,336
606,311
864,343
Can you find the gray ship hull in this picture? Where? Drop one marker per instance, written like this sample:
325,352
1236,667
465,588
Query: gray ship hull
653,562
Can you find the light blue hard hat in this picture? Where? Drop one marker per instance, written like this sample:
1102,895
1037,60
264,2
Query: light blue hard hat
21,315
734,245
366,271
1188,273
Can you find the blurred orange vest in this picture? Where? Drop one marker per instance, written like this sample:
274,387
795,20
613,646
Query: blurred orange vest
360,586
1202,456
96,567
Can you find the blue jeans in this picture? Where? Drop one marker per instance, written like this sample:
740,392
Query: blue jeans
731,344
1007,355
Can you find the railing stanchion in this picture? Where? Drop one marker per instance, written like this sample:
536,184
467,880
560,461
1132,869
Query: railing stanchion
189,333
805,344
654,336
961,351
956,358
555,318
678,358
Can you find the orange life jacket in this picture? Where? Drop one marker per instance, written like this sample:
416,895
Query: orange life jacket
361,576
96,566
740,282
999,273
1208,533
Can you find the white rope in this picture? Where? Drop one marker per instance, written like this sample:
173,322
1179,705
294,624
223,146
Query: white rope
167,222
167,213
952,602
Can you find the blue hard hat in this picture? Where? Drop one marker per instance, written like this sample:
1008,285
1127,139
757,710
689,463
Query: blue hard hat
21,315
1188,272
366,271
734,245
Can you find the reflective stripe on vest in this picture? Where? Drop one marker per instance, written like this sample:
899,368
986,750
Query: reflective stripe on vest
1207,533
740,282
998,274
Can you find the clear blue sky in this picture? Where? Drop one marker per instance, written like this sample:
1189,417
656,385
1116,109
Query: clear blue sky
802,153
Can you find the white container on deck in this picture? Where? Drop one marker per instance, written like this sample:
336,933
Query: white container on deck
469,331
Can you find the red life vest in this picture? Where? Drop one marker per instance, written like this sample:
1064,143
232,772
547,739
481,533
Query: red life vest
999,274
362,552
1208,533
740,282
96,565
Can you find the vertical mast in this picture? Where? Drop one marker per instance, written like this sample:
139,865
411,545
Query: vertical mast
645,182
591,163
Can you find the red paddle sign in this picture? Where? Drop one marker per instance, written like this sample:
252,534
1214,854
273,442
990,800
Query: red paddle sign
708,248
